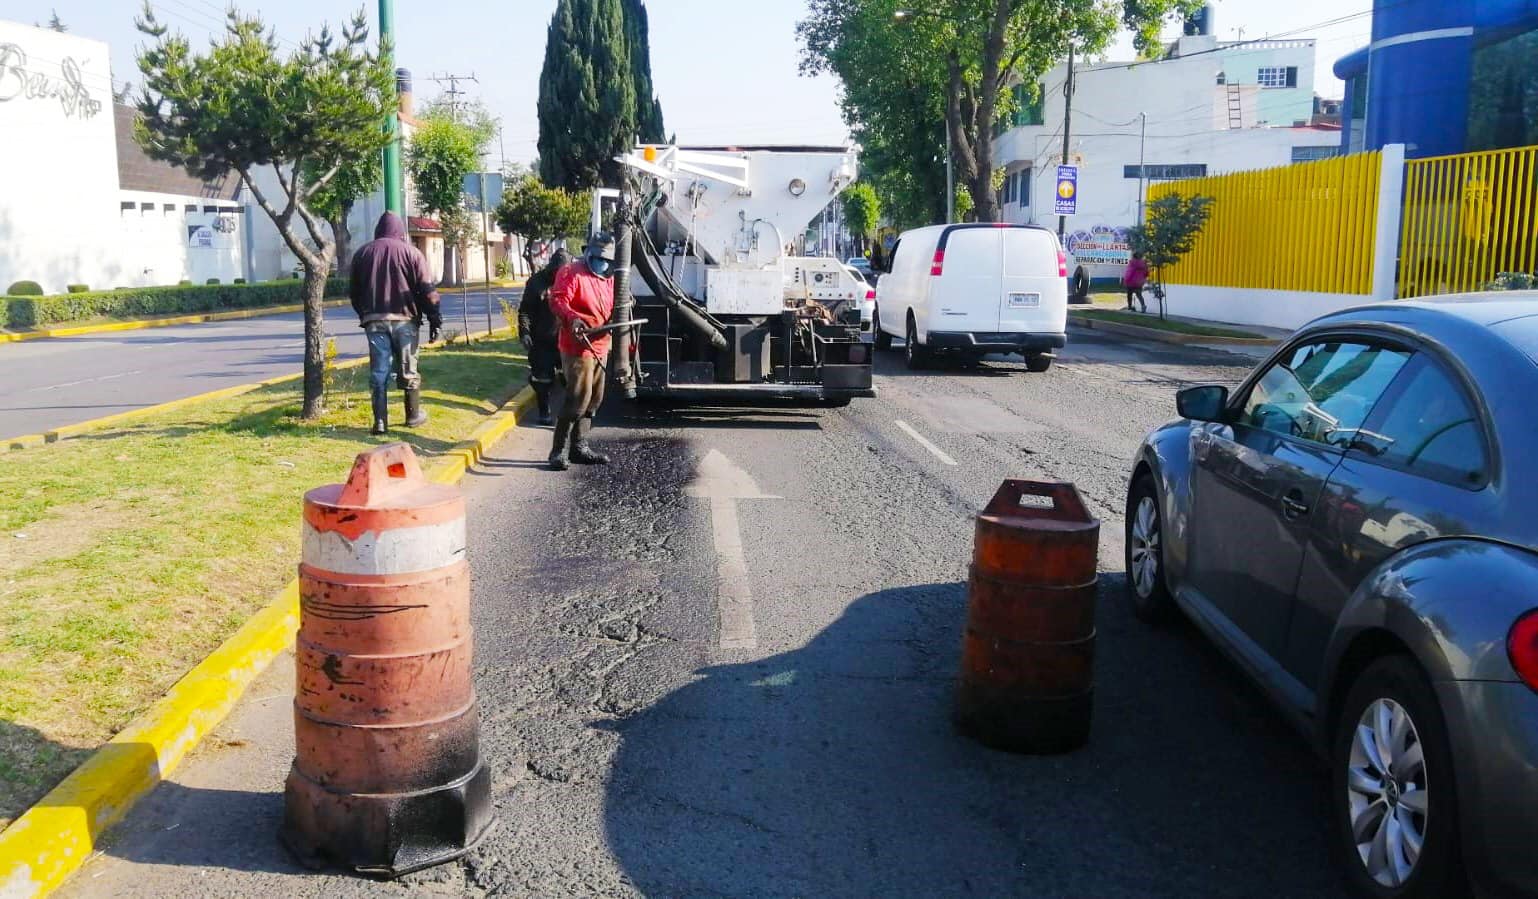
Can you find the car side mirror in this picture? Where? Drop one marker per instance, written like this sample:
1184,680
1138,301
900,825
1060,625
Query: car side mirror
1205,403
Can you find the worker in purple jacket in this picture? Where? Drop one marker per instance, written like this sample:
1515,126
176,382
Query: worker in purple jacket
392,291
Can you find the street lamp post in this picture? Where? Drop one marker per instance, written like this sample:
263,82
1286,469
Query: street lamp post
394,187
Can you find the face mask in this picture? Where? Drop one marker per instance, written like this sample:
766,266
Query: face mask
600,267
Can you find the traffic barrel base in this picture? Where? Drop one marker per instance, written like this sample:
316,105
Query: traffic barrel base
387,776
1027,661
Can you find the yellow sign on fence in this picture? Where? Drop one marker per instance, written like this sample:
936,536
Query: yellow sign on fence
1468,218
1306,227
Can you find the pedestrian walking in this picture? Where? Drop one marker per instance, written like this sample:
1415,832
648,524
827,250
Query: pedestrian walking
1134,278
540,332
392,291
582,299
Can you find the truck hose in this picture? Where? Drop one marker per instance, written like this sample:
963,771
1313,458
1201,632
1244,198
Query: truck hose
620,366
697,319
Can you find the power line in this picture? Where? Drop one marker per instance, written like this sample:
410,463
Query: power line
452,91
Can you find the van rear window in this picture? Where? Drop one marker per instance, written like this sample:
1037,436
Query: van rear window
1029,252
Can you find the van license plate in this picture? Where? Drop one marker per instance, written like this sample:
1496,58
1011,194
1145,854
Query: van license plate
1025,301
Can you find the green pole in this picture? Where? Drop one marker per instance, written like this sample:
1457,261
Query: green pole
395,192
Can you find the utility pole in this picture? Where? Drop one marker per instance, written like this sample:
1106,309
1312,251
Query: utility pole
1062,220
394,187
1142,163
453,92
950,178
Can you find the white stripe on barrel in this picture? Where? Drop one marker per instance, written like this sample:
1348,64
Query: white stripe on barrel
396,551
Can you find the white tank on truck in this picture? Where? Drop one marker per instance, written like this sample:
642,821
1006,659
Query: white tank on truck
730,309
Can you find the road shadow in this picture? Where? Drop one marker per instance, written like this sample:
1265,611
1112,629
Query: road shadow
995,366
834,770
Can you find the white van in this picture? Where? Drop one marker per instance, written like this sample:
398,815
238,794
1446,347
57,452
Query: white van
975,289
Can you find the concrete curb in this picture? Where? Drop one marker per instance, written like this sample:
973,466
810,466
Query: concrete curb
1095,324
141,324
54,838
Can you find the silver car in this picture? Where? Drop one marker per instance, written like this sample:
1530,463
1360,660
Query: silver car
1357,526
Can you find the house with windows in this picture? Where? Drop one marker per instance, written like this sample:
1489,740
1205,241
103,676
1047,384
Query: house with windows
1206,107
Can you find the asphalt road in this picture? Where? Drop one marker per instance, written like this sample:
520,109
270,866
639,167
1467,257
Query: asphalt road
58,381
649,737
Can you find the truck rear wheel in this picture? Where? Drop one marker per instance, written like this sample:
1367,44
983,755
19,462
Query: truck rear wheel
1038,362
917,355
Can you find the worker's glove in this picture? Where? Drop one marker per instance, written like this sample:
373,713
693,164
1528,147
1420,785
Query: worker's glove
579,327
433,331
527,340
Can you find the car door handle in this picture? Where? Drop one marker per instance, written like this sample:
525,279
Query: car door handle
1293,506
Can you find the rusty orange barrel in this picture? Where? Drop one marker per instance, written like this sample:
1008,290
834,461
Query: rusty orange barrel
1028,654
387,775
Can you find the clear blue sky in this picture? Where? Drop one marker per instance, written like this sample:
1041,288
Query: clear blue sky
725,71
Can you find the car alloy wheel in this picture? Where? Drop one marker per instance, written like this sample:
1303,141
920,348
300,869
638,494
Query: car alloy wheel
1145,548
1386,792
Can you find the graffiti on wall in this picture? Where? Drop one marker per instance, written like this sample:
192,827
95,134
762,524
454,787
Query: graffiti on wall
17,82
1100,245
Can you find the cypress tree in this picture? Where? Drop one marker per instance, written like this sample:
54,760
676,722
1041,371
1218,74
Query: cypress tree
587,99
648,108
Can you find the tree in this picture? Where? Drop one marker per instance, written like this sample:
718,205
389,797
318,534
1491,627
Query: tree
536,212
968,54
1169,231
862,212
587,101
358,177
242,107
55,23
648,115
443,152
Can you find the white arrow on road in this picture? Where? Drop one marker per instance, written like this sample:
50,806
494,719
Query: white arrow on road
723,483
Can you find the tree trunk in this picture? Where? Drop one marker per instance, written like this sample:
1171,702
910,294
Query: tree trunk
314,339
448,264
343,238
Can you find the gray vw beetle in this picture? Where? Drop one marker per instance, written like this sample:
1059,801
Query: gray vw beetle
1357,526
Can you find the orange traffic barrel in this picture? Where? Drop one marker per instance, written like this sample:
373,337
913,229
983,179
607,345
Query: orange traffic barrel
387,775
1027,657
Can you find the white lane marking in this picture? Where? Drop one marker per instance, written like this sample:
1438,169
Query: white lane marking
723,483
121,374
924,442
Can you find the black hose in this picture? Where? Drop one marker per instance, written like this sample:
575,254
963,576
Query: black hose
624,303
697,319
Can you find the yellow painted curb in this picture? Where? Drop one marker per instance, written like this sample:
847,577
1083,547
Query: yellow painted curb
54,838
141,324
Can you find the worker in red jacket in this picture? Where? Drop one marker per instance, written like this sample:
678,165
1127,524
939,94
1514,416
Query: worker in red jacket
582,299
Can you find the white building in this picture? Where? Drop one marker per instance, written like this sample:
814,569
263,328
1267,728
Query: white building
1206,109
79,203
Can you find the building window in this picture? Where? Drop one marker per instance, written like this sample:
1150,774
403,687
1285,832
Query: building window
1028,109
1277,76
1311,154
1025,188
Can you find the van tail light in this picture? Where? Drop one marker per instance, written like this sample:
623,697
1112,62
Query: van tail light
871,294
1062,263
1522,648
938,266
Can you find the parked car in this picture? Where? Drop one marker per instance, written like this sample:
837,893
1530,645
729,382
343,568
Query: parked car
1355,526
860,264
867,301
975,289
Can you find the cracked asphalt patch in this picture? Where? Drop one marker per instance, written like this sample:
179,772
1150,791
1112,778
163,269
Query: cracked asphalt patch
632,756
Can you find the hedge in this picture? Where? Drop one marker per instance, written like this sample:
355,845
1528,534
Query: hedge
136,302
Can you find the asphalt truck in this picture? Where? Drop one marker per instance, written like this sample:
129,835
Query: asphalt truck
706,269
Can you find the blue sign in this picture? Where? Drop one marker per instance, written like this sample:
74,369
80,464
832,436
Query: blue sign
1067,202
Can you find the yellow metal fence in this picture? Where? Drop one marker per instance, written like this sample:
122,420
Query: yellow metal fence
1306,227
1468,218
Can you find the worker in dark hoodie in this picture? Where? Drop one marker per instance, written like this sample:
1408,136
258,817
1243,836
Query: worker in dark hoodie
392,291
540,332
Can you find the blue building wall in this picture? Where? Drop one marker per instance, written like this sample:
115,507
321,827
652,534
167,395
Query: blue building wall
1419,70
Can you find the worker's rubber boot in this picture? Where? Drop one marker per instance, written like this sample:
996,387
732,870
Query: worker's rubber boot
563,427
581,452
380,399
542,393
415,417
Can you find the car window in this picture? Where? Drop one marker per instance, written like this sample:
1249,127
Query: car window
1322,391
1429,426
